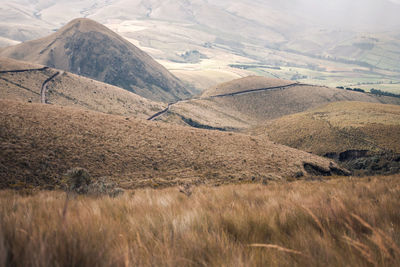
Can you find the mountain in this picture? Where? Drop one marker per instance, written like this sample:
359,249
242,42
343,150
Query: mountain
319,42
39,143
246,102
23,81
87,48
363,136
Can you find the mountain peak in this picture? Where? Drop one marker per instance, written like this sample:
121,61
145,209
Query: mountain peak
86,47
83,25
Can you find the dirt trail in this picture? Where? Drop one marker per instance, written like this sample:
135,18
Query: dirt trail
161,112
44,87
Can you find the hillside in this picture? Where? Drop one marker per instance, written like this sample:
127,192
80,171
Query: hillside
339,130
22,81
88,48
249,101
39,143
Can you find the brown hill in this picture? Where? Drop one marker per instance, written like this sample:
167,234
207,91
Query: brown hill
87,48
38,143
23,81
250,101
345,131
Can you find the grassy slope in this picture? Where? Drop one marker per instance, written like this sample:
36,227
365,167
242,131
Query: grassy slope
41,142
338,127
243,111
12,64
343,222
72,90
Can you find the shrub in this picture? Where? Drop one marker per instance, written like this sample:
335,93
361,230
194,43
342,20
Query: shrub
79,181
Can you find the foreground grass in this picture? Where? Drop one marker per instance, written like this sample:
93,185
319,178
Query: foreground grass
344,222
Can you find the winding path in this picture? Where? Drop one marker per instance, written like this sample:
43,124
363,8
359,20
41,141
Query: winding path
161,112
44,87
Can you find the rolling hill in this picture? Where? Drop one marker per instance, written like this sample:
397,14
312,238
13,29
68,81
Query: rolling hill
22,81
38,143
249,101
363,136
89,49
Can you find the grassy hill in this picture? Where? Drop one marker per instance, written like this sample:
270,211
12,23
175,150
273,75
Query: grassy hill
246,102
39,143
88,48
69,89
337,127
341,129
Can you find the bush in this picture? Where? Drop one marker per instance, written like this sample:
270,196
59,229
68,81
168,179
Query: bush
79,181
379,92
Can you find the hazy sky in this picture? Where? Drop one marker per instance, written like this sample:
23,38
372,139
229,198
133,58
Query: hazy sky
345,14
357,14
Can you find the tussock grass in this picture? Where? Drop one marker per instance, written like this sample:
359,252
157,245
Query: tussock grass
342,222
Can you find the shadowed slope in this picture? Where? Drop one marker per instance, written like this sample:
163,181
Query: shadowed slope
41,142
87,48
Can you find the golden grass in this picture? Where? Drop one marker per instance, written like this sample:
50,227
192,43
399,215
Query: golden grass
341,222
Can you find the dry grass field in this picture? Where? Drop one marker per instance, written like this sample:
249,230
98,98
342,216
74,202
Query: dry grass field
339,222
39,143
338,127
